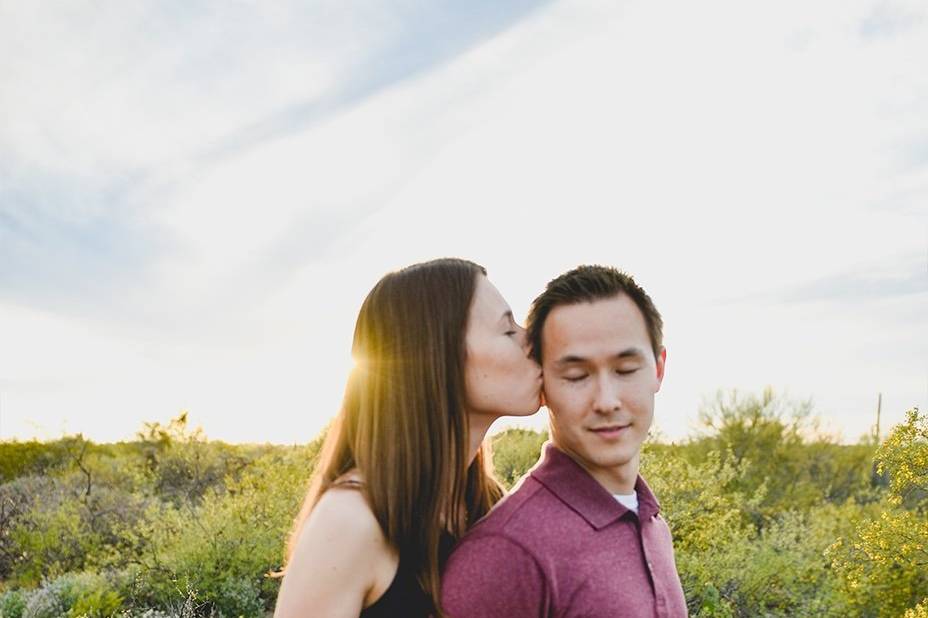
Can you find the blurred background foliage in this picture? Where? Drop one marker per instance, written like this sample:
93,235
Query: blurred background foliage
771,517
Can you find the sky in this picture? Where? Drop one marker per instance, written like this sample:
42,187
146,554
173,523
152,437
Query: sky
195,197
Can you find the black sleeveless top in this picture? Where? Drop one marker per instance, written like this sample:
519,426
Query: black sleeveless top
405,598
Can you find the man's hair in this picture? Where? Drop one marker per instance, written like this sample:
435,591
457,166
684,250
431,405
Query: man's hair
587,284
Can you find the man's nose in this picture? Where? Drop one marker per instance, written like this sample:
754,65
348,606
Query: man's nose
608,397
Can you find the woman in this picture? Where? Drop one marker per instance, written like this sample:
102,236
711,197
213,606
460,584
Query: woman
438,358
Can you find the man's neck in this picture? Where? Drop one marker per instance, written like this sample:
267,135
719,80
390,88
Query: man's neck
616,479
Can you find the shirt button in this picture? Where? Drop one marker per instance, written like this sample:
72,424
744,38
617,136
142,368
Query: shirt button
650,566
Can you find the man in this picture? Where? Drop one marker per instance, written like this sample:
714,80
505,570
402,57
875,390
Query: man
582,534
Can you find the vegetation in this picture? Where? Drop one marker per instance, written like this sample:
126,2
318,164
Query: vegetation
770,518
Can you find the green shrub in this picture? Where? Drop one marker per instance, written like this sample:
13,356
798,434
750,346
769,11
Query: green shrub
24,458
12,604
773,440
881,562
174,526
225,547
52,542
44,603
97,604
514,452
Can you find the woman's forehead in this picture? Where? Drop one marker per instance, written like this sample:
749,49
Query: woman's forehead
489,305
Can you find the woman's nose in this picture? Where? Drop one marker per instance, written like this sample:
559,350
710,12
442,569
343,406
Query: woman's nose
523,337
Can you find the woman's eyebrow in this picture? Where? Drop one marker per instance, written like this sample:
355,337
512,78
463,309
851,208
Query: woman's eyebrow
507,316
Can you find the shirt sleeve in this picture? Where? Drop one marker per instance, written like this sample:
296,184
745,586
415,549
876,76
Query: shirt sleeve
491,576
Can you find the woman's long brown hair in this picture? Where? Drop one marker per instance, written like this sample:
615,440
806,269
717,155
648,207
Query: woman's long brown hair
403,423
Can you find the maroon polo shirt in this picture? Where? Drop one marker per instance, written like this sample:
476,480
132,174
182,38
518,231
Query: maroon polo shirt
562,546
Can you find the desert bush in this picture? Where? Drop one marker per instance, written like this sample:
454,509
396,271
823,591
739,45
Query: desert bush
12,604
769,519
74,594
181,465
514,452
19,459
65,530
44,603
225,547
97,604
882,563
709,526
774,441
17,497
919,611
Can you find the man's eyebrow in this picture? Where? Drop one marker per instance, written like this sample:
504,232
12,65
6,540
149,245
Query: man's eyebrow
507,316
572,359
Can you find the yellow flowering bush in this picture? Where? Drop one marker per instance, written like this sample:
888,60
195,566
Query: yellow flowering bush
919,611
884,563
904,456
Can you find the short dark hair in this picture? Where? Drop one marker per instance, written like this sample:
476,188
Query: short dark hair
587,284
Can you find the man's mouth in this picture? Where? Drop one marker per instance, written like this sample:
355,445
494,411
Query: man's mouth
609,431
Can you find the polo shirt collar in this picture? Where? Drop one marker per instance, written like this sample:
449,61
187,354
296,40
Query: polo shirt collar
574,486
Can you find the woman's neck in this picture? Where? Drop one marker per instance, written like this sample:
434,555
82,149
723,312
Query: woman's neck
478,424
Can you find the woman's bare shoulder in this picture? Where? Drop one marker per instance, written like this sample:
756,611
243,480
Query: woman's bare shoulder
343,509
334,562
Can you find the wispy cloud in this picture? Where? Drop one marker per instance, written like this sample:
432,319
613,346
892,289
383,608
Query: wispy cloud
195,197
59,254
915,152
907,277
891,18
427,36
111,118
889,278
906,200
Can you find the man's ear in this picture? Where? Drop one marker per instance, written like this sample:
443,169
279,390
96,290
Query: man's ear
661,362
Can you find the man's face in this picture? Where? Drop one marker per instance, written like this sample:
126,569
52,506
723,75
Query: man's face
600,377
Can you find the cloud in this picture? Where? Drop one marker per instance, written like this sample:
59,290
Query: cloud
240,177
58,261
887,279
144,84
116,121
907,195
915,152
891,18
428,35
859,286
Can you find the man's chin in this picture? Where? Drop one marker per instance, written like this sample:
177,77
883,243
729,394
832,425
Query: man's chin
616,459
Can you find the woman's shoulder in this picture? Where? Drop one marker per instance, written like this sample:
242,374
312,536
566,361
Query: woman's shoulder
337,558
341,533
344,509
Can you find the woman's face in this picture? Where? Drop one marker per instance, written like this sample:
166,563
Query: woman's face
500,377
